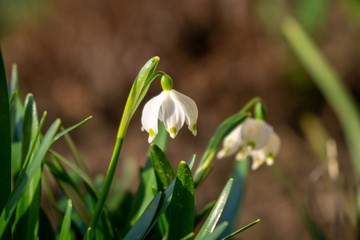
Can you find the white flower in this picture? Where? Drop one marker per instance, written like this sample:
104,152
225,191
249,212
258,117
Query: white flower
173,109
255,138
267,153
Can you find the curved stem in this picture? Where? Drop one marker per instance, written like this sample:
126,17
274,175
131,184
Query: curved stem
140,87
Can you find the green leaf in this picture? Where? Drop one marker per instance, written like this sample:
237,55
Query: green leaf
242,229
182,207
335,92
26,223
213,218
67,130
79,172
144,194
217,231
65,231
30,126
70,188
164,204
161,138
24,179
162,167
5,138
204,212
232,209
139,230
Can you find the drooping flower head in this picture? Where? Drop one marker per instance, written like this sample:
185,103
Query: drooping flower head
172,108
255,138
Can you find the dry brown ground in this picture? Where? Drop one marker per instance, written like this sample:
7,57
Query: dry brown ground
80,58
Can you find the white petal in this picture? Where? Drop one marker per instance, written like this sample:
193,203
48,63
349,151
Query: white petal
171,114
274,144
256,132
189,108
267,153
150,114
231,144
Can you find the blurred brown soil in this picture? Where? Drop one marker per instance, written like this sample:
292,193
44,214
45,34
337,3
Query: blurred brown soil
80,59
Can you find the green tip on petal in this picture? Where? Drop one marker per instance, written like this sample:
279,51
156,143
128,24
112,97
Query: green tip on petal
166,82
172,132
194,129
251,144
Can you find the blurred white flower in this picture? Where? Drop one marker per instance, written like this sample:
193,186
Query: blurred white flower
267,153
173,109
255,138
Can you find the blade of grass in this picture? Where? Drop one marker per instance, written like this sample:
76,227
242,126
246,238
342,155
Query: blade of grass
70,189
28,208
214,216
242,229
67,130
79,172
217,231
24,179
333,89
5,138
65,232
233,206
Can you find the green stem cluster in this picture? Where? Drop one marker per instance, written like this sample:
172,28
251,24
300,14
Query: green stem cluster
138,91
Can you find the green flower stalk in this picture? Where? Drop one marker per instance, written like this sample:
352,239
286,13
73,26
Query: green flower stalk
139,89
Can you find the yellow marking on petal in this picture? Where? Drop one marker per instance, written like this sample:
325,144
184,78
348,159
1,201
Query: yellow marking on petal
151,133
172,131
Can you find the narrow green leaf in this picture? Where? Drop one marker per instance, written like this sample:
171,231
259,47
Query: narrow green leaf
139,230
28,209
242,229
65,232
144,194
164,204
330,84
189,236
79,172
182,207
67,130
191,161
234,203
204,212
30,125
5,138
70,188
213,218
24,179
78,159
26,223
162,167
217,231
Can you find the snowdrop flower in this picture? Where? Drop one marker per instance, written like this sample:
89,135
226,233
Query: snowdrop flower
255,138
172,108
267,153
